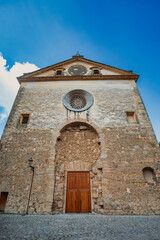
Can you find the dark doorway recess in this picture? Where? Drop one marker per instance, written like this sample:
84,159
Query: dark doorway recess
3,200
78,199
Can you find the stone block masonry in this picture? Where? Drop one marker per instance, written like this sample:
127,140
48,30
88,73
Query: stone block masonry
101,141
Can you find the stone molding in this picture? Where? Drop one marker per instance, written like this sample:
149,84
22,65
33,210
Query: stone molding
78,78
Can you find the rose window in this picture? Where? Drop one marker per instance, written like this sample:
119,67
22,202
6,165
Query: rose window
78,100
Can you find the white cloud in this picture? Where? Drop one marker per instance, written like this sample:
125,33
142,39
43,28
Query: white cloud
2,116
8,80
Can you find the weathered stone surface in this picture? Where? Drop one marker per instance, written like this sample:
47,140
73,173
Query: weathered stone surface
113,150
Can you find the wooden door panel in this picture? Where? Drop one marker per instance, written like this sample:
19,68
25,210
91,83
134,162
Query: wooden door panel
72,182
83,180
84,201
78,192
72,203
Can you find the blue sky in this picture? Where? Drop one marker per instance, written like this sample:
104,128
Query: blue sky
124,34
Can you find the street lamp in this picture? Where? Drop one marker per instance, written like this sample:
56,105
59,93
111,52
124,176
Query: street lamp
30,160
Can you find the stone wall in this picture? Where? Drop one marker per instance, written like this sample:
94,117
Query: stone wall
16,175
124,150
43,100
125,191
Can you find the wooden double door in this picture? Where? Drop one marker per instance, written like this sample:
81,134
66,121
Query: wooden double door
78,199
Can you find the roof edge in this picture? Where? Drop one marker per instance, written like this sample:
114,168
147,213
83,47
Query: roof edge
73,59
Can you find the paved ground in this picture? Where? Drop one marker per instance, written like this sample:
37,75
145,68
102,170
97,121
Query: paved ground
79,227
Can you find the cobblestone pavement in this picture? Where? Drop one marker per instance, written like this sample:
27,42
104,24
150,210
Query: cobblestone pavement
79,227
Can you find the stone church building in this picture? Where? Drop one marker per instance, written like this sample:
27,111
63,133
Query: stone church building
79,140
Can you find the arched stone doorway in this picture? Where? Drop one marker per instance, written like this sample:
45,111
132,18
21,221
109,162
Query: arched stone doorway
77,150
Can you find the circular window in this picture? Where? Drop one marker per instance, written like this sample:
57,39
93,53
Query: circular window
77,70
78,100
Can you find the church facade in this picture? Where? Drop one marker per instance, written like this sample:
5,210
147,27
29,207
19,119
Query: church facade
79,140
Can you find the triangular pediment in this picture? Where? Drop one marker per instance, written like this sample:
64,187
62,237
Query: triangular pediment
77,66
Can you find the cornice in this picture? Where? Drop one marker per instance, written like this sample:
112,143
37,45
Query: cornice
78,78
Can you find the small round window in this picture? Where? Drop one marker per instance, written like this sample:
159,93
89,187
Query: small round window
78,100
